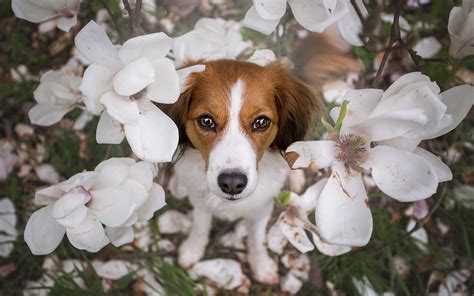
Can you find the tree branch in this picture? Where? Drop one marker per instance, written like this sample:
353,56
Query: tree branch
114,20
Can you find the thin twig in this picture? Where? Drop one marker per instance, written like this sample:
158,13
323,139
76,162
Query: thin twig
114,18
138,13
130,13
394,37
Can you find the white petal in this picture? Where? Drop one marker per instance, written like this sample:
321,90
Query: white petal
460,32
114,205
165,88
33,12
296,236
361,104
97,80
276,240
42,233
120,108
120,236
253,21
68,203
290,284
109,130
427,47
152,46
459,100
226,273
421,235
66,23
262,57
185,72
74,218
8,217
350,26
315,16
307,202
142,172
342,214
89,235
314,154
442,171
402,142
155,138
94,44
172,221
155,201
134,77
270,10
328,249
112,172
111,270
84,179
46,115
400,174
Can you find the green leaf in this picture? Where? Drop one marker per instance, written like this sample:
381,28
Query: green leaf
283,198
327,125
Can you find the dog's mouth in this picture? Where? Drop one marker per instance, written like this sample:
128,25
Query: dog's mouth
232,198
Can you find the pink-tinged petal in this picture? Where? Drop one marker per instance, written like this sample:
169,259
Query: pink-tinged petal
350,26
342,214
94,44
253,21
459,100
97,80
84,180
109,130
112,172
328,249
155,137
185,72
155,201
296,236
134,77
68,203
460,31
270,10
262,57
308,201
314,154
442,171
316,16
152,46
46,115
42,233
400,174
74,218
420,235
114,205
89,235
31,11
120,236
66,23
120,108
165,88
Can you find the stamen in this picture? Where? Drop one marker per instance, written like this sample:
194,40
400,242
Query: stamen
352,151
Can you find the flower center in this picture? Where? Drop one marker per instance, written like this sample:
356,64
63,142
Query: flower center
352,151
138,95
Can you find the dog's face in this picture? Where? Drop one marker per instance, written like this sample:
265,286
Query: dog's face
233,111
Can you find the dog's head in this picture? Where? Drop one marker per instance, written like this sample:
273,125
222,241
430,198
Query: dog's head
233,111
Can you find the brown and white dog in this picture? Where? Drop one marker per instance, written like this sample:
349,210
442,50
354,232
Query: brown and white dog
235,118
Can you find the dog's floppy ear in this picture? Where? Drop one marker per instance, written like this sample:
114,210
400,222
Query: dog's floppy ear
298,106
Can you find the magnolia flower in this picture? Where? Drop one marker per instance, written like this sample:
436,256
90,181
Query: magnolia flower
117,194
410,110
292,223
211,39
122,83
262,57
461,22
264,16
8,232
226,273
40,11
57,94
427,47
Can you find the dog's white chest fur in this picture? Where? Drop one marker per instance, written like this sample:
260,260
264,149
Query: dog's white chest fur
190,179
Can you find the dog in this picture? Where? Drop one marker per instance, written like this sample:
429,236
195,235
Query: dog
235,119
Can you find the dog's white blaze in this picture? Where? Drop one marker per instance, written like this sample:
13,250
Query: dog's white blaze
234,151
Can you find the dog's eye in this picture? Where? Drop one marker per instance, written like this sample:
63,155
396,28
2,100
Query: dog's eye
261,124
206,122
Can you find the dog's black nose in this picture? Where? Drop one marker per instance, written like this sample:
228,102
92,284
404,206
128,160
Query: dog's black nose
232,183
